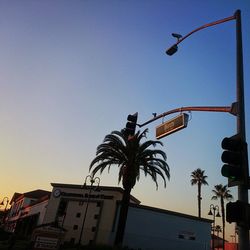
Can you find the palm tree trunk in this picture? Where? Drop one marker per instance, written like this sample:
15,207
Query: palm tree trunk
199,200
122,217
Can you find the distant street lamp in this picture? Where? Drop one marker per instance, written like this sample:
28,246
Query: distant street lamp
2,202
214,210
92,181
5,209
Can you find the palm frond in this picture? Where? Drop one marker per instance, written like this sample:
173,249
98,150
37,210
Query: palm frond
131,156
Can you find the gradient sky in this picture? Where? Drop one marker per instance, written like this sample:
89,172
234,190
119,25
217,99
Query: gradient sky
71,72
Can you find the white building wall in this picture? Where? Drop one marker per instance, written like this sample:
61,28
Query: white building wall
151,229
74,223
100,214
40,209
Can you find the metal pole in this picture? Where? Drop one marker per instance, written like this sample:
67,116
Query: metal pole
242,188
213,228
92,181
228,109
85,215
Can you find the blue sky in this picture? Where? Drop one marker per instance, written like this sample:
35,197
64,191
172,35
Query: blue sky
71,72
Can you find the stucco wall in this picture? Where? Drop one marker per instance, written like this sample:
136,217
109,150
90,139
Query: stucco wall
101,212
150,229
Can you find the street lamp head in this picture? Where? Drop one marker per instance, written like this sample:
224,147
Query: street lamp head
2,202
210,212
172,50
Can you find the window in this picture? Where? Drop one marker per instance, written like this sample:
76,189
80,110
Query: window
72,241
62,208
186,237
93,229
75,227
96,216
98,204
78,215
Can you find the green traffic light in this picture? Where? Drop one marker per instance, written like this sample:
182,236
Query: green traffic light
231,172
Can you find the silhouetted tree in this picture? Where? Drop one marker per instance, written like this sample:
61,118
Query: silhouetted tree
217,229
222,193
199,179
131,156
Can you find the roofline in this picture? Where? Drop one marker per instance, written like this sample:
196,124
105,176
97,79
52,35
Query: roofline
105,188
15,196
159,210
18,196
41,200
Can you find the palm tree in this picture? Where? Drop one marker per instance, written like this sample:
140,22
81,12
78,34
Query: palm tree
222,193
131,156
198,178
217,229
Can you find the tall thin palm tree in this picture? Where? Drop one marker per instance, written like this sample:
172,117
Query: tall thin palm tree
222,193
199,179
131,156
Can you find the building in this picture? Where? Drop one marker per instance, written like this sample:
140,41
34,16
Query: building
153,228
89,215
27,211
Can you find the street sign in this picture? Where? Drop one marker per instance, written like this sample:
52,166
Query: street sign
171,126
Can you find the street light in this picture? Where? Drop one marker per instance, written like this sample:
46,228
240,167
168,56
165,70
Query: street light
240,107
2,202
214,210
92,181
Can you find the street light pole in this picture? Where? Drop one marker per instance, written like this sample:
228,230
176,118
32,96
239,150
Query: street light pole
243,187
92,180
212,211
226,109
5,208
2,203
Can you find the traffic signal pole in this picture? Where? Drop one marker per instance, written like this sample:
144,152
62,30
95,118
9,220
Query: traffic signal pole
237,109
242,188
227,109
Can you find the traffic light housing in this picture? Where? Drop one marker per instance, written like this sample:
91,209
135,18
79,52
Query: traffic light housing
238,212
235,156
235,212
131,125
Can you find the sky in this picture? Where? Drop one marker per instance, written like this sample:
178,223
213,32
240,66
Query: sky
72,71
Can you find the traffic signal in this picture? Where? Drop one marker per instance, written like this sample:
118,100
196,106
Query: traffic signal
131,125
238,212
235,157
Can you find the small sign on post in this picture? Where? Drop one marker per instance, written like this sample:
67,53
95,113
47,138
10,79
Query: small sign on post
171,126
47,237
